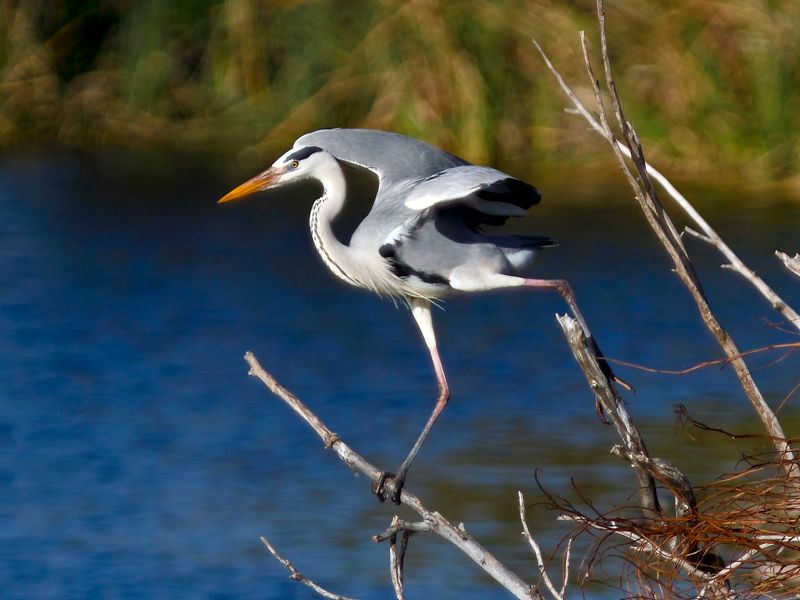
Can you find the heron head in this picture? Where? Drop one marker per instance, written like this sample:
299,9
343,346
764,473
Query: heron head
294,165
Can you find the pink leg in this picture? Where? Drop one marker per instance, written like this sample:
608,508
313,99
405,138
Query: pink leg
421,310
441,402
563,288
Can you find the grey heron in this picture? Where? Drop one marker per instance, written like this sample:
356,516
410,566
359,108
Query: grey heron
423,239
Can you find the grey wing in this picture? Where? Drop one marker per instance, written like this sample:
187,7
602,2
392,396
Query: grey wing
464,197
393,157
398,161
459,199
483,189
444,231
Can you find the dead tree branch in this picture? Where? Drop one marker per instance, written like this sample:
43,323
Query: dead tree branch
665,472
641,543
557,594
656,217
687,541
608,398
397,525
708,235
397,555
295,575
666,233
788,346
437,524
791,263
634,450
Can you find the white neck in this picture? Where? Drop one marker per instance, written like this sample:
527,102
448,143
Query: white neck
362,266
336,255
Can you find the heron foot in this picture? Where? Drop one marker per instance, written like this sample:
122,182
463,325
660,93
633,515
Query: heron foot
398,487
379,487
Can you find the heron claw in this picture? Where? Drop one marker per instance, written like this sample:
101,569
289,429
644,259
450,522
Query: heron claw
379,487
398,488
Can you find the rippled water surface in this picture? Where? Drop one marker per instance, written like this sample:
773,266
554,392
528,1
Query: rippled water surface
140,461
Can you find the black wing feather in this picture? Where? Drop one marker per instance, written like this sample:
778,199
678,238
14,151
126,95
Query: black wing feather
511,191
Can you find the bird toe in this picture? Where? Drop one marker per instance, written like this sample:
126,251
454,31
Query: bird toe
379,487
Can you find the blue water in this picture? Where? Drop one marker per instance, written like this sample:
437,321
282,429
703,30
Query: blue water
140,461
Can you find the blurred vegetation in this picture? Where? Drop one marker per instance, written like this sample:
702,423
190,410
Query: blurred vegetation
712,86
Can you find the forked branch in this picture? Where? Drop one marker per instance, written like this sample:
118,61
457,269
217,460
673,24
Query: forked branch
790,262
434,521
706,233
295,575
557,594
607,397
664,229
711,585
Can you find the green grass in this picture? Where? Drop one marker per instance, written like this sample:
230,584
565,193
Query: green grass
712,86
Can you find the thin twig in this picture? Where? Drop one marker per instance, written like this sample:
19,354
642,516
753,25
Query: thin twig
396,558
707,363
790,262
663,471
777,538
395,569
565,567
457,536
295,575
698,235
608,398
642,543
397,525
735,564
709,236
538,552
664,228
730,569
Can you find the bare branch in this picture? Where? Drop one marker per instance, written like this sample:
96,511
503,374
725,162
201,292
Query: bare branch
396,557
727,571
565,578
666,473
665,231
736,264
698,235
538,553
607,397
644,544
791,263
396,569
778,538
457,536
297,576
397,525
709,236
788,346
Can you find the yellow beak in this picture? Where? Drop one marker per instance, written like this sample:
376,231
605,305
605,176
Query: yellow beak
262,181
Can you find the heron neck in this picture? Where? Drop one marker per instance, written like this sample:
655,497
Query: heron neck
334,253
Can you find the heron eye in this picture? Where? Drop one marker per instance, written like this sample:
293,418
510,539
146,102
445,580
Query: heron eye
294,164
